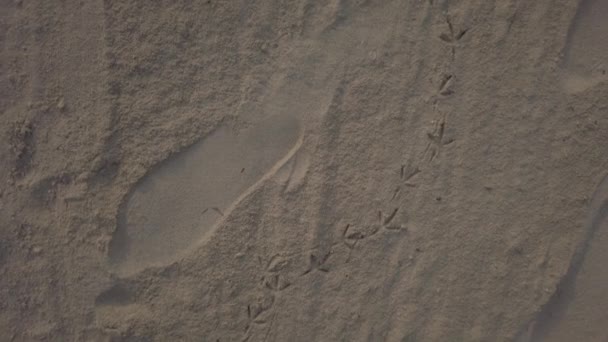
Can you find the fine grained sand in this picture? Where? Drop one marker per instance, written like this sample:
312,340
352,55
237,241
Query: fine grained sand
586,53
347,170
184,199
577,311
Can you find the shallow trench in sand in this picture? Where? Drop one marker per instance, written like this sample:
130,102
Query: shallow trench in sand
179,203
578,310
585,62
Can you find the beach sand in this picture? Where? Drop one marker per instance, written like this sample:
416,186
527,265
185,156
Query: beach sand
342,170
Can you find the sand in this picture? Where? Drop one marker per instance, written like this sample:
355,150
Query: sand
186,198
347,170
577,309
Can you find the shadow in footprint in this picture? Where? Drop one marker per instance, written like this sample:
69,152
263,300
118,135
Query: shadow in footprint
116,295
179,203
586,53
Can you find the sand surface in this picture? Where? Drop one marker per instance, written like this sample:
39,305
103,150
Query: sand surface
342,170
577,311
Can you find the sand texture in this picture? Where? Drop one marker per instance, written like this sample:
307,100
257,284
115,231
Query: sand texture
341,170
